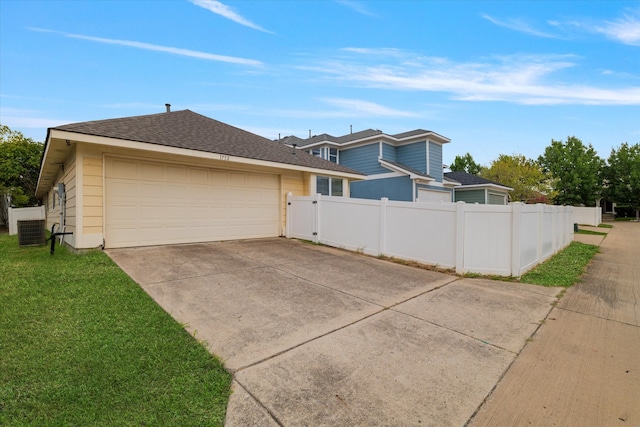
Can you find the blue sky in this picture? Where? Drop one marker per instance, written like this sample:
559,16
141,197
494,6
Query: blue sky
496,77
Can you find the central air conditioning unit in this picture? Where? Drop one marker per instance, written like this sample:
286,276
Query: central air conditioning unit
31,232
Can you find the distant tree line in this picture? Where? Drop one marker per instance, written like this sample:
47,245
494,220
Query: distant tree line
568,173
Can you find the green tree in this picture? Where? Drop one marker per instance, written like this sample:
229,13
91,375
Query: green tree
577,171
465,164
524,175
623,176
19,166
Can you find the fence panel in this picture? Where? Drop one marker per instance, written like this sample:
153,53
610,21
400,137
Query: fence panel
487,239
352,224
530,231
587,216
423,232
301,217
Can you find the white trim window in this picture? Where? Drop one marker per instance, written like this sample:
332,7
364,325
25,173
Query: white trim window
329,186
327,153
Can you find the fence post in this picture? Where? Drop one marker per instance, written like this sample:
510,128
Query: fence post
516,225
316,217
10,221
460,237
383,226
287,220
540,231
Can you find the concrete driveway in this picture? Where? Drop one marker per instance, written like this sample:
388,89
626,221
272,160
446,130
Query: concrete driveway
319,336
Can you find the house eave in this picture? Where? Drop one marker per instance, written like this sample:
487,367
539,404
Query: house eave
411,174
481,186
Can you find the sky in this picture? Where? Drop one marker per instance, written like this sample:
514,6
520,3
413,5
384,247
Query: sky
495,77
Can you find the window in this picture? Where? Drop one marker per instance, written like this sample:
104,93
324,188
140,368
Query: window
333,155
329,186
326,153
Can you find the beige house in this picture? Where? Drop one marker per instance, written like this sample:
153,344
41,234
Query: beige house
174,177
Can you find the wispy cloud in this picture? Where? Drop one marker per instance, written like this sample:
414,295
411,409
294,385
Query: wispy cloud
624,30
158,48
356,6
366,108
344,108
521,79
518,25
26,118
225,11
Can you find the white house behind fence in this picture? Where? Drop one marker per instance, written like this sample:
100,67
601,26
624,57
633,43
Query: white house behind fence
470,238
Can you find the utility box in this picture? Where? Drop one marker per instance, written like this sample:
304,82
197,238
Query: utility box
31,232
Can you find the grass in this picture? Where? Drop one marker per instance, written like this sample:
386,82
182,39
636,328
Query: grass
597,233
82,344
603,225
564,268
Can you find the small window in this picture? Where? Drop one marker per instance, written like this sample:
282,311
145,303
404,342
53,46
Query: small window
316,152
322,186
333,155
329,186
336,187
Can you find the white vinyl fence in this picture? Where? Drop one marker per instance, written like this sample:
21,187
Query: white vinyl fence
486,239
20,214
587,216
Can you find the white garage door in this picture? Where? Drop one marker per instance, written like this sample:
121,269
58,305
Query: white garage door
433,196
150,203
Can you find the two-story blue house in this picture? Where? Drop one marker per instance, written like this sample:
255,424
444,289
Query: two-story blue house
406,166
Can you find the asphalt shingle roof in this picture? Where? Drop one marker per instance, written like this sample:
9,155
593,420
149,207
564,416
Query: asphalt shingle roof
193,131
465,178
325,137
407,168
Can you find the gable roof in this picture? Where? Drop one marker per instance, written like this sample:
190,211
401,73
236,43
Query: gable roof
193,131
466,179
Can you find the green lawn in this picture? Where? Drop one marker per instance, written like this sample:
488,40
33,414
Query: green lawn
564,268
596,233
82,344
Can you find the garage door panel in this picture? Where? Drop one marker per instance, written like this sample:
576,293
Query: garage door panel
154,203
433,196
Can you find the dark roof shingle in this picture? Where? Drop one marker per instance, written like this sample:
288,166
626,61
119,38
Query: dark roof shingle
193,131
465,178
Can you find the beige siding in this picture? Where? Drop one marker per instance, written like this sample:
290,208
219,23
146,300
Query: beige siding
92,195
68,177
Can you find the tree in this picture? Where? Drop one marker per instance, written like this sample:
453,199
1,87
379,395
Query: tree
577,172
623,176
19,166
523,175
465,164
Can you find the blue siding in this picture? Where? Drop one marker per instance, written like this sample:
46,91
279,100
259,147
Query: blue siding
413,155
470,196
435,161
363,159
389,152
398,188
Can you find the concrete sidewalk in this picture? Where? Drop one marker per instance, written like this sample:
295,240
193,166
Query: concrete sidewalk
583,366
